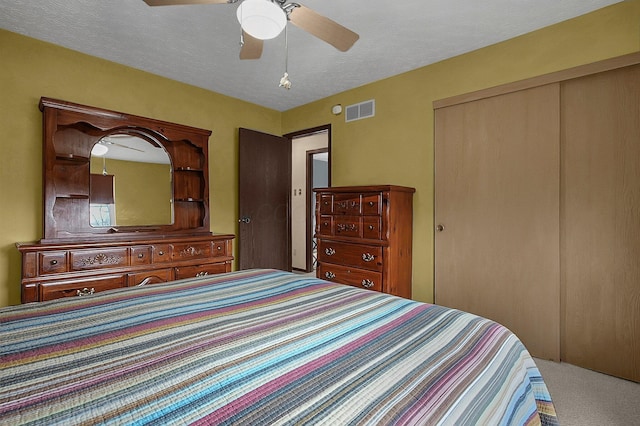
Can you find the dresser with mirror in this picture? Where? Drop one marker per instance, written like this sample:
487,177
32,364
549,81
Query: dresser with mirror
125,203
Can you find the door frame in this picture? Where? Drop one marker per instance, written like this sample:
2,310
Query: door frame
310,211
309,184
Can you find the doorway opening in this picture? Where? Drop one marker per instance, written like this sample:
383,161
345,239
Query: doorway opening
310,168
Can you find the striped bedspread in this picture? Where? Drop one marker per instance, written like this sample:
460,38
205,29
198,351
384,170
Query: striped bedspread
261,347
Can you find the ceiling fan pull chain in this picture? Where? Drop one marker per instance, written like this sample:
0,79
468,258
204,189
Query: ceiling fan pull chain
284,81
241,31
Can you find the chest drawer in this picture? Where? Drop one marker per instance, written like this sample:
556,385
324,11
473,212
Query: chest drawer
97,259
372,227
352,276
326,203
191,251
348,203
325,225
372,204
357,255
348,226
201,270
75,288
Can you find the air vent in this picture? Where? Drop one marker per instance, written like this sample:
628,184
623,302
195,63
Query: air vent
359,111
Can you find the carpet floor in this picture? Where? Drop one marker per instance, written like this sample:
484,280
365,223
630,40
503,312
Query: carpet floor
584,398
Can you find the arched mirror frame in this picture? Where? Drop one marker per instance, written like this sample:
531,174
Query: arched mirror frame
69,133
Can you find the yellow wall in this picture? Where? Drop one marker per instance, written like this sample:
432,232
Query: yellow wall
32,69
143,191
396,146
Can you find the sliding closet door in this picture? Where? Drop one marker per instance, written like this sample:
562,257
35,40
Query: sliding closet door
601,222
497,203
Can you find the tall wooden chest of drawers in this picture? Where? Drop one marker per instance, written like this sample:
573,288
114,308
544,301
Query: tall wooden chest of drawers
364,236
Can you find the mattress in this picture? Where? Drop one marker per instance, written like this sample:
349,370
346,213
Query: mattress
262,347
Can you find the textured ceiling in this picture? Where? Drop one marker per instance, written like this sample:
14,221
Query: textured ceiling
199,44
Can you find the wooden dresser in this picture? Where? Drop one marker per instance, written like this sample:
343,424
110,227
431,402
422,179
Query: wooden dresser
52,271
151,224
364,236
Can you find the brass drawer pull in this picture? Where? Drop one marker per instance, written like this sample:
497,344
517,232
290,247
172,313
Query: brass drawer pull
140,255
86,292
161,253
202,274
145,282
371,203
330,275
350,227
367,257
329,251
371,227
367,283
54,262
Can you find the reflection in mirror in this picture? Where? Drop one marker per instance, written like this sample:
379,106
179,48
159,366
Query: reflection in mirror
131,183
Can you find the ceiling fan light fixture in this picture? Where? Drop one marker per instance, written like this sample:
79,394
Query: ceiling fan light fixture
261,19
99,150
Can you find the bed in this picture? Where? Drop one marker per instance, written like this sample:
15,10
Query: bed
261,347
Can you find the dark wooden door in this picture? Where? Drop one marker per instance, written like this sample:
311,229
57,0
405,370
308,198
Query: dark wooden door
264,231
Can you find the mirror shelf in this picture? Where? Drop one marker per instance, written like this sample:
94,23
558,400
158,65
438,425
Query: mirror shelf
70,132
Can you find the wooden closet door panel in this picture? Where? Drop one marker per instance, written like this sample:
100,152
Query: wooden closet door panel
497,196
601,222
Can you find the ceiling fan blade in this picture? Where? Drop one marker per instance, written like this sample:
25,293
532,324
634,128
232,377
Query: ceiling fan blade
124,146
322,27
107,141
251,48
179,2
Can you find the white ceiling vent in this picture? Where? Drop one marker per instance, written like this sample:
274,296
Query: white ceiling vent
359,111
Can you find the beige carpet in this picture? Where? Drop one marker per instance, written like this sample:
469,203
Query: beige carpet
585,398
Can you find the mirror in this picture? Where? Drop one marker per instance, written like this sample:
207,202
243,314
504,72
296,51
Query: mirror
74,135
130,183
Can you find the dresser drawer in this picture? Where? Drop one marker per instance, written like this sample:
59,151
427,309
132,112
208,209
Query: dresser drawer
150,277
352,276
220,249
52,262
191,251
358,255
201,270
97,259
140,255
59,289
161,253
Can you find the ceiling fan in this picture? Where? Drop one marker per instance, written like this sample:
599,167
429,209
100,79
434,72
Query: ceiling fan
265,19
102,147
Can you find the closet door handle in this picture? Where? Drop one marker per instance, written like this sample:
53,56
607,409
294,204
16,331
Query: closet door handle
440,228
